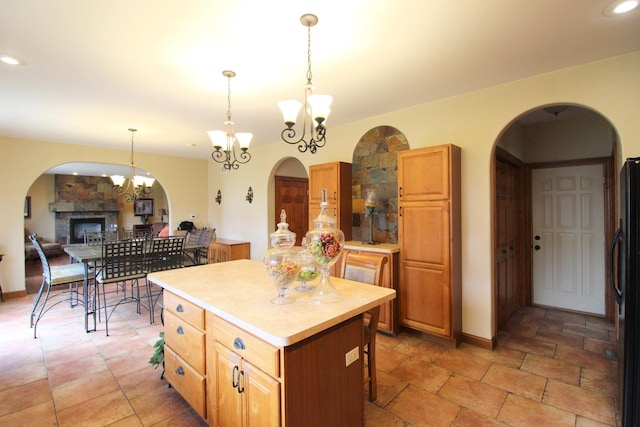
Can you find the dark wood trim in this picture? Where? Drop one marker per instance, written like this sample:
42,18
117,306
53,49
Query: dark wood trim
522,232
566,163
14,294
480,342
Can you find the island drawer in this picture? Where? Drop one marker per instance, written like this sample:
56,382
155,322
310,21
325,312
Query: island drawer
184,309
185,339
186,380
261,354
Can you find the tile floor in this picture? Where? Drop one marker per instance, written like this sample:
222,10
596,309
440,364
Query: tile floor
548,370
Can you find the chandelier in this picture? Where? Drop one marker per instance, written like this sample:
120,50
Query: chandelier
316,107
224,141
136,186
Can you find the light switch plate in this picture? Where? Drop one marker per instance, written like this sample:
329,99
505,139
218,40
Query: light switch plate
352,355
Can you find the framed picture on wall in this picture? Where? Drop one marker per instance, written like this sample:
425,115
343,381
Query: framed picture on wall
27,207
143,207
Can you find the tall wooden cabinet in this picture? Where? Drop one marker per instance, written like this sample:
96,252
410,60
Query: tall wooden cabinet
335,177
429,238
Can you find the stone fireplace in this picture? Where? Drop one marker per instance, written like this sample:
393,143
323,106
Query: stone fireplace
83,203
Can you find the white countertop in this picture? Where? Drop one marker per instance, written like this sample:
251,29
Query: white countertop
241,293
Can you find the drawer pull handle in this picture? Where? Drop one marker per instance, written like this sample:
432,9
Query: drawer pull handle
233,376
179,308
180,331
180,370
238,344
240,386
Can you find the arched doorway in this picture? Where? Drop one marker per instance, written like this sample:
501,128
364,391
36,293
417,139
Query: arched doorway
79,193
554,143
291,185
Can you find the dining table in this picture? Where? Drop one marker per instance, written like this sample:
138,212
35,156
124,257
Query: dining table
89,255
193,251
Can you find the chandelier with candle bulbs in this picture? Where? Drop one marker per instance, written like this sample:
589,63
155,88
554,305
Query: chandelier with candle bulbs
224,141
134,187
315,109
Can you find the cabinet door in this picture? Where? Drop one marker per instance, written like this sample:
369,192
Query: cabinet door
423,174
324,176
425,277
246,396
335,177
262,397
229,401
220,252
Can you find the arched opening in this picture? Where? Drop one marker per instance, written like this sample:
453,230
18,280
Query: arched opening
289,185
72,197
554,198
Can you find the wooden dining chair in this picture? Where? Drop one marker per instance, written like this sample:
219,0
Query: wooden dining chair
69,274
367,267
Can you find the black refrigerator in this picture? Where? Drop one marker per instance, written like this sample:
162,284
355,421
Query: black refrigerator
624,279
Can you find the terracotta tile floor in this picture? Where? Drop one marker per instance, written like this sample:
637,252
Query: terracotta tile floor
548,370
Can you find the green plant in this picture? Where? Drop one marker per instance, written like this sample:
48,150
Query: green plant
158,353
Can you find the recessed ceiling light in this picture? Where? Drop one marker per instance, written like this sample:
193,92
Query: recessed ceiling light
619,7
9,59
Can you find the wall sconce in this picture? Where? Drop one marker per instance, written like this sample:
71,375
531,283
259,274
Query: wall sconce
218,197
249,195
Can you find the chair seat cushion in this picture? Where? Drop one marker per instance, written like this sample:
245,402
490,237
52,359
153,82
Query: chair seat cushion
67,273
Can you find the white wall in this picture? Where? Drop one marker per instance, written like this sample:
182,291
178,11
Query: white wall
472,121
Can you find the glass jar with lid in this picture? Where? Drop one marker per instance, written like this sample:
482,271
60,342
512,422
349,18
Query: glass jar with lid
324,244
282,262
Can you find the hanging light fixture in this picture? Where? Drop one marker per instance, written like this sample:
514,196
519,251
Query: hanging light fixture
224,140
316,107
136,186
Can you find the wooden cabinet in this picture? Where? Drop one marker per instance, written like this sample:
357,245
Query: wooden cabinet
429,237
185,350
253,383
221,250
389,310
335,177
264,365
243,394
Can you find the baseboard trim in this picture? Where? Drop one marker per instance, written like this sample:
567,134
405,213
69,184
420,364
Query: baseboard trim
479,342
14,294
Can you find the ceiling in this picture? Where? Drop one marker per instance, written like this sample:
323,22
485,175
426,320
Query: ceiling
93,69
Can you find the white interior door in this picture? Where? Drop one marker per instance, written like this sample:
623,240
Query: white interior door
568,238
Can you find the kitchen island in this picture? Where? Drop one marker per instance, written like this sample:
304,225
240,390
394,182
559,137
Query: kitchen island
240,360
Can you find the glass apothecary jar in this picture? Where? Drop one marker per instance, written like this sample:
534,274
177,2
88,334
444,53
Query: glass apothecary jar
282,262
324,244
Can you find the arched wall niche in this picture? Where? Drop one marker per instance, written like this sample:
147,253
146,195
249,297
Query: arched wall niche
375,167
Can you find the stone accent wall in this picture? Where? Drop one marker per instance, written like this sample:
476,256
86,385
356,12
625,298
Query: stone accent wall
375,166
83,197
